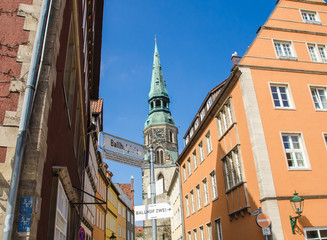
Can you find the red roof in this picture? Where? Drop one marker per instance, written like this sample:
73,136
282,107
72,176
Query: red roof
96,105
126,187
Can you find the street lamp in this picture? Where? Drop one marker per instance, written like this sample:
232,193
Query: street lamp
112,237
297,205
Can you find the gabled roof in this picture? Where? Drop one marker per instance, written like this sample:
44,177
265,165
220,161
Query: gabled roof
127,189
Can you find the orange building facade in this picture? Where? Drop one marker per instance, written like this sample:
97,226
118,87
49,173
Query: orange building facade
262,134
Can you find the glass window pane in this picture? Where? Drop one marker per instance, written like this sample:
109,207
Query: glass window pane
312,234
323,233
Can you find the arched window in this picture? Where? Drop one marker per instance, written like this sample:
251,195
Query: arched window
161,177
159,156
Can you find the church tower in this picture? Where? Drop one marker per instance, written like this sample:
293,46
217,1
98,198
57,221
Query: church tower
160,133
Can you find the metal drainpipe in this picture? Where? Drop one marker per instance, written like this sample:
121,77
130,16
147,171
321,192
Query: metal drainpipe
31,85
181,199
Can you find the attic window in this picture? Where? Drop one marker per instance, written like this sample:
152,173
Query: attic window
310,17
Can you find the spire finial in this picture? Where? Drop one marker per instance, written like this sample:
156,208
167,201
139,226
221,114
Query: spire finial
155,38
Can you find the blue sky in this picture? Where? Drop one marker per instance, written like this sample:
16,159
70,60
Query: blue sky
196,39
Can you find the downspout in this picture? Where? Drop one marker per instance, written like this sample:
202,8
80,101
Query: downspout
181,199
31,85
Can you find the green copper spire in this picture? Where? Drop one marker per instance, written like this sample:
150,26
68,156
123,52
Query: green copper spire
158,96
158,85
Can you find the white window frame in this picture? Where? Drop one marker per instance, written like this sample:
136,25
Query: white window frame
209,231
208,142
201,152
294,151
280,100
281,51
232,168
202,114
205,191
187,205
324,135
305,14
213,185
189,235
198,197
192,201
195,160
320,103
318,229
196,124
218,228
201,232
184,172
195,234
317,52
209,103
62,214
189,167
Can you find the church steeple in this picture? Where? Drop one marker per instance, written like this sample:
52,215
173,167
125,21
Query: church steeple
159,112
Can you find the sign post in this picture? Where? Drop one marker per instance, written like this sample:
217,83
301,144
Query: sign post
264,222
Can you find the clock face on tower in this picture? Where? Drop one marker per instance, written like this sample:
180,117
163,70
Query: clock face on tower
158,133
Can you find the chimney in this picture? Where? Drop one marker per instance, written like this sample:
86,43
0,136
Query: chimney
132,192
235,59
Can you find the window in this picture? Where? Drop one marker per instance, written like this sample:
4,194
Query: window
189,168
205,191
124,233
124,212
325,138
202,114
189,235
132,218
280,96
316,233
317,53
195,161
213,185
119,231
196,124
192,202
284,50
184,172
201,233
209,231
219,234
160,156
195,234
191,132
208,143
294,151
209,103
232,169
187,139
61,213
319,97
310,17
119,208
201,151
198,197
225,118
187,206
128,216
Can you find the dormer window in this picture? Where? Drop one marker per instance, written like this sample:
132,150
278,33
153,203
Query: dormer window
202,114
310,17
209,103
196,124
191,132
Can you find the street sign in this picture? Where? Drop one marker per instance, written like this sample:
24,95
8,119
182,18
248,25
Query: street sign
153,211
256,212
123,145
266,231
263,220
81,234
121,158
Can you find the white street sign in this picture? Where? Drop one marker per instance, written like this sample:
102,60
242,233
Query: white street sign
122,145
266,231
121,158
153,211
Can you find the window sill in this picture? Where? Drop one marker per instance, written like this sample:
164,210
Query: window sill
234,187
288,58
207,204
215,199
313,22
321,110
285,108
299,169
227,130
209,152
